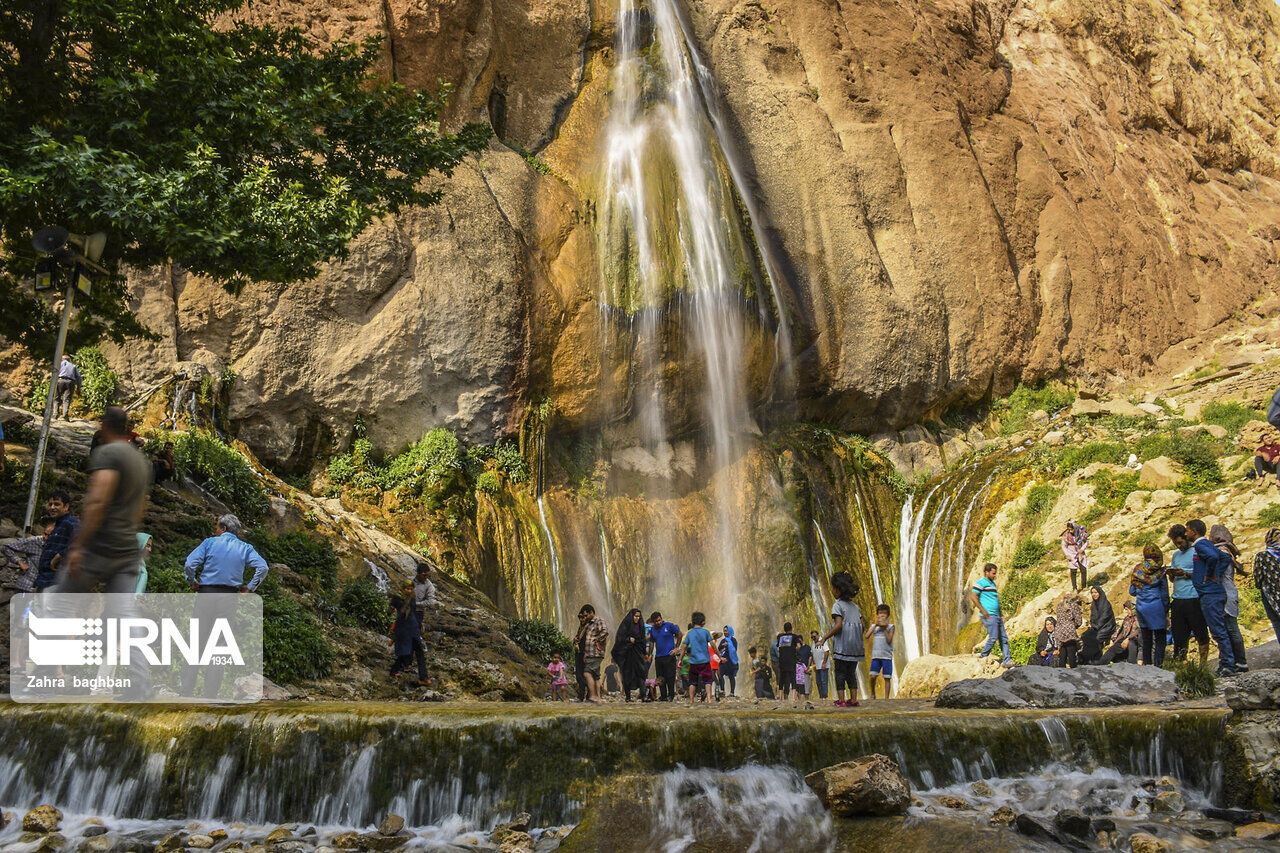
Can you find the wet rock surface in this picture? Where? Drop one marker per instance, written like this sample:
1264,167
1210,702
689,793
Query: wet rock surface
1047,687
871,785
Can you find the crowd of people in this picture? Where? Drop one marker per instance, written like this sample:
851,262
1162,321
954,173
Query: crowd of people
655,661
1194,596
103,550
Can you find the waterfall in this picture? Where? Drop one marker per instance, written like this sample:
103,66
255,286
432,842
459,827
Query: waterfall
908,573
604,564
379,575
871,552
672,245
554,557
820,609
324,766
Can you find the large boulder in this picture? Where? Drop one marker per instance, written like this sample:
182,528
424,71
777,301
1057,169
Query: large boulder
1254,691
1160,473
925,676
871,785
42,819
1048,687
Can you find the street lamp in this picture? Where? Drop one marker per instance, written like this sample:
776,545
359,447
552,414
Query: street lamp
55,244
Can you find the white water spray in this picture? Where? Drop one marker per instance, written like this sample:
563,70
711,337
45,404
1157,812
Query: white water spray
555,561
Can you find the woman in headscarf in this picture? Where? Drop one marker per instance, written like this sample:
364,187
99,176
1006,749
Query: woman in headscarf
1150,588
1266,577
1067,633
1075,539
1221,537
1101,617
1046,646
144,550
1126,641
729,661
629,650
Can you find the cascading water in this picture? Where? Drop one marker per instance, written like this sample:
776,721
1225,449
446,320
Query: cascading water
933,575
674,248
871,551
554,557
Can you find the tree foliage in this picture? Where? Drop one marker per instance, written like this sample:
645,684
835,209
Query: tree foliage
240,152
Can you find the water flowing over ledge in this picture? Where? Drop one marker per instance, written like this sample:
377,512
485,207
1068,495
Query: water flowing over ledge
340,765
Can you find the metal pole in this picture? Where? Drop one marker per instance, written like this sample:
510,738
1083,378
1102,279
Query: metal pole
48,405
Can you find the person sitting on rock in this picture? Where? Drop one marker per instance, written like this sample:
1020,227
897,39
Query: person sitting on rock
1125,645
1265,459
1046,646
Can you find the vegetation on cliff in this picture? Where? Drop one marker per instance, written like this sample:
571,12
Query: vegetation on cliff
240,152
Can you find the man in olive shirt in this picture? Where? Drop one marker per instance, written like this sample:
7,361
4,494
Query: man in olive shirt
105,552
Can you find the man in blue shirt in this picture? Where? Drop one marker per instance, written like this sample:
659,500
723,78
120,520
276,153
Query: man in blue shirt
664,636
986,598
1209,568
218,565
1185,616
698,641
56,544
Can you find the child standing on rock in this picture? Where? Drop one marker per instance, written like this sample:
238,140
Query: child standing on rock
559,683
881,635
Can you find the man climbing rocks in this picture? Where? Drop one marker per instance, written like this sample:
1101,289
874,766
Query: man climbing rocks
68,385
986,598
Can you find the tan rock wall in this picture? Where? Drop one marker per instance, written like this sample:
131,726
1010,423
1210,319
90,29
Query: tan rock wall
964,192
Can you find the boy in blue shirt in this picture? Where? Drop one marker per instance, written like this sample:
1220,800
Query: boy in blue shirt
986,598
698,641
664,636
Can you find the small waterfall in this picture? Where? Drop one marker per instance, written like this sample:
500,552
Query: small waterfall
604,564
871,552
379,575
908,574
1055,732
554,557
820,609
270,765
756,809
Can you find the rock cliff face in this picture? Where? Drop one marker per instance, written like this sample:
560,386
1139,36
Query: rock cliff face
960,193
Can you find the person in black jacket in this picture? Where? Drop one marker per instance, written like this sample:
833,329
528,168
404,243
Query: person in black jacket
1102,618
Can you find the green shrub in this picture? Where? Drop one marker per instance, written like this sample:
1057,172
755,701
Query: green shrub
1195,679
488,483
1020,588
1081,456
539,639
1231,415
1040,499
222,470
101,384
1110,490
1093,515
165,565
1197,453
293,648
342,469
1029,553
1251,609
312,557
1014,409
435,461
363,604
1021,648
507,458
1269,516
